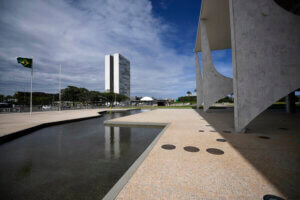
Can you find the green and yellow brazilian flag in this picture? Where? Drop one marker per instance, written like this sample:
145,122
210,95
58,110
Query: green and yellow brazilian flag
26,62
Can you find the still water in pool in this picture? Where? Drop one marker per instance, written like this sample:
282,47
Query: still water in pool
80,160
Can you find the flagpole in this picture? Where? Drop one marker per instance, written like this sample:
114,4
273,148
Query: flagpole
28,62
31,88
60,87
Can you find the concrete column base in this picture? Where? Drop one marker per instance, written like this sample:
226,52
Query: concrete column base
290,103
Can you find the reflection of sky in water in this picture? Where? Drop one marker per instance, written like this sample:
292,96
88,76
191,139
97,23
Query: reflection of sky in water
80,160
145,110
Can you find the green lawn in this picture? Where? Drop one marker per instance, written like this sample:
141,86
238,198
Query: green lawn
277,105
160,107
170,107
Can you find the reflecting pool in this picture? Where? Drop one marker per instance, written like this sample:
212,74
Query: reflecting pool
80,160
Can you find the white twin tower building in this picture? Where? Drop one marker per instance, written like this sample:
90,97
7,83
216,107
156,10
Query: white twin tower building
117,74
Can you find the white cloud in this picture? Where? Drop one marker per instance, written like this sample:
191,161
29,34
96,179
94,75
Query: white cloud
77,34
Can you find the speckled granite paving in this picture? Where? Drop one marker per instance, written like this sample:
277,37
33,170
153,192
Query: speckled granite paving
250,167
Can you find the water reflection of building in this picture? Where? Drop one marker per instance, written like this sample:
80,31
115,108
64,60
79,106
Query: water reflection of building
112,142
114,137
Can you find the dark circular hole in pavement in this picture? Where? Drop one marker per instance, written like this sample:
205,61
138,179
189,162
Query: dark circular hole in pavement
264,137
215,151
271,197
191,149
213,131
225,131
201,130
221,140
168,146
283,129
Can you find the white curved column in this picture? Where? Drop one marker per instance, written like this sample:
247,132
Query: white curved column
215,85
265,41
198,82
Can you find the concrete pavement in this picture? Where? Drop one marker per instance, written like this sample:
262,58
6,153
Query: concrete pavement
250,168
14,122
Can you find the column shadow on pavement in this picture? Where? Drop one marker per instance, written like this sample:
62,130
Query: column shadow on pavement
276,155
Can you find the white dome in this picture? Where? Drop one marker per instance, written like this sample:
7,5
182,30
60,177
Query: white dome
146,99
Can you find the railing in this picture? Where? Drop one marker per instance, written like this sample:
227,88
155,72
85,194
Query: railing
43,109
8,110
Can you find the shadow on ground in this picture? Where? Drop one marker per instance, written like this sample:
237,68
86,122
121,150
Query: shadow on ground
276,155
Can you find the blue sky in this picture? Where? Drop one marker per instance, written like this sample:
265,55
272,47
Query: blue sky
157,36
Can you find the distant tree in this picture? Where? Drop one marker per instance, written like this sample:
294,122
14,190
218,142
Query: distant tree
95,97
2,98
297,98
188,93
71,93
112,97
227,99
83,95
8,98
195,90
187,99
38,98
23,98
121,97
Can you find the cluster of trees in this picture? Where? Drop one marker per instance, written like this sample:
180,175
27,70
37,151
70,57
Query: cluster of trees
71,94
38,98
193,99
5,99
187,99
189,93
75,94
227,99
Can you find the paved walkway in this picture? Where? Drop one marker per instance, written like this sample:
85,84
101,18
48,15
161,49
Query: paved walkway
13,122
250,167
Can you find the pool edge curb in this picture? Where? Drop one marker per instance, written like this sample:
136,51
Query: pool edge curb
134,124
14,135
